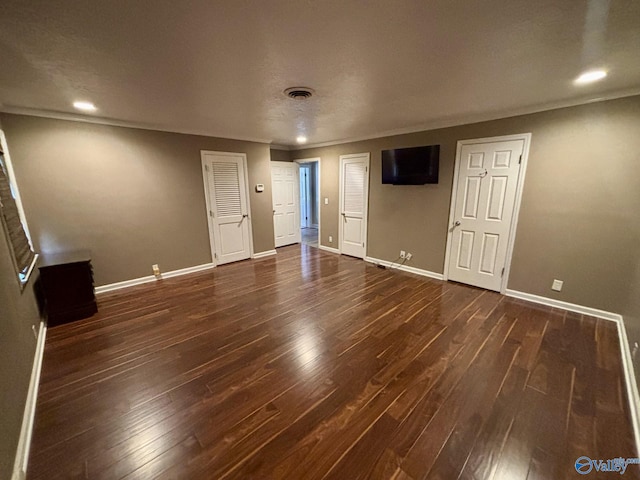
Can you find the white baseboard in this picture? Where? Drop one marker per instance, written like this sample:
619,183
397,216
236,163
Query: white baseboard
405,268
185,271
127,283
630,380
329,249
572,307
151,278
266,253
24,443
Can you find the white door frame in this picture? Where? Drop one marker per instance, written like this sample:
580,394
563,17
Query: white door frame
307,190
205,180
526,137
365,214
319,193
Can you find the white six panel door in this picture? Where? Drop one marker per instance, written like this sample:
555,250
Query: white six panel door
286,205
484,205
354,199
228,204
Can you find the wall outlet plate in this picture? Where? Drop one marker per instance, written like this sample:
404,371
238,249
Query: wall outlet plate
326,201
330,239
557,285
402,254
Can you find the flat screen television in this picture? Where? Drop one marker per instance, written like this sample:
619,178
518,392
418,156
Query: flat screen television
411,166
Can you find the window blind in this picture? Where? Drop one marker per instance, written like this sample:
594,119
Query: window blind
19,245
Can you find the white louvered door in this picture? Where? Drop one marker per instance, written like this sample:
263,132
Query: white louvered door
228,206
485,195
354,199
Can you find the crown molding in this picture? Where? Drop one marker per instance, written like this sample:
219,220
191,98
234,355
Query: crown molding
477,118
73,117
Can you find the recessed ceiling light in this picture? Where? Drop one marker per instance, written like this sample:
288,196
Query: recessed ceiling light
85,106
301,139
590,76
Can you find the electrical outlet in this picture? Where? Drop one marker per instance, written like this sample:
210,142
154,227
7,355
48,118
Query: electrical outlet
408,256
634,353
330,239
557,285
156,269
35,332
326,201
402,254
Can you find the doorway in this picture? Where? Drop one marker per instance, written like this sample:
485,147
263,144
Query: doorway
487,188
228,211
306,196
309,201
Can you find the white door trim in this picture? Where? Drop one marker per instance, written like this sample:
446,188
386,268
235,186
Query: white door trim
205,181
307,185
319,188
526,137
365,214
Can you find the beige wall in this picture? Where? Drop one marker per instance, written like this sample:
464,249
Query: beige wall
578,220
18,313
280,155
133,197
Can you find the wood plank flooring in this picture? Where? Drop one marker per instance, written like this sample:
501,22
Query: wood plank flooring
309,365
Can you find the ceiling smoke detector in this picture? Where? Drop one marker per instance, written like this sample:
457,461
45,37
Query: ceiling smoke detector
299,93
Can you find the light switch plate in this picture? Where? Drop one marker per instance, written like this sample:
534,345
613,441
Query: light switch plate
326,201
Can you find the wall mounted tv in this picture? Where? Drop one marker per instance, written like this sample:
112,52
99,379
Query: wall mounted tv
411,166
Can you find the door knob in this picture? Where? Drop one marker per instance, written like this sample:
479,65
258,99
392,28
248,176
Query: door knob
457,223
244,215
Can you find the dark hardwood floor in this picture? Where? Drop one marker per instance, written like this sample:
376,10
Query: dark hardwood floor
310,365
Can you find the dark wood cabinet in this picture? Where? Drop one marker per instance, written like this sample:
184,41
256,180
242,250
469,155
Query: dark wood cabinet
66,286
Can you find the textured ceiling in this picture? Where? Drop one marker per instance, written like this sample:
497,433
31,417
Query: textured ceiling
219,67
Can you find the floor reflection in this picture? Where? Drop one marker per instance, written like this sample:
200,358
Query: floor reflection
310,236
